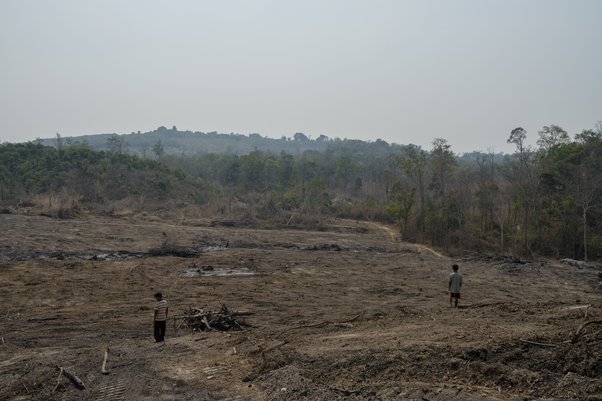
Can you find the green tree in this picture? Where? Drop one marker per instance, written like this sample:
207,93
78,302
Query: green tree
551,136
400,210
414,164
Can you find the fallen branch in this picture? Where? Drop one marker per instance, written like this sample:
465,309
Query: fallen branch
58,380
576,307
103,370
536,343
583,326
317,325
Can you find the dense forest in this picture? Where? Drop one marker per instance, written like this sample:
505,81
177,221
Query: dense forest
75,175
543,200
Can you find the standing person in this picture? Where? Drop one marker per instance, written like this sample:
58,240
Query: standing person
160,319
455,285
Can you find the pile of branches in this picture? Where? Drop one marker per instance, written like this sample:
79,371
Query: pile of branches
198,319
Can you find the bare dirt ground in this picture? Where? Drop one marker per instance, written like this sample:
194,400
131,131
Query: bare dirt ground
348,313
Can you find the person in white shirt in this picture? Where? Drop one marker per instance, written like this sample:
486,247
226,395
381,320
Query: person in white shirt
455,285
160,319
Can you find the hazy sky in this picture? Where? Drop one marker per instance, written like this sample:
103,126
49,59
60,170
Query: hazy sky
404,71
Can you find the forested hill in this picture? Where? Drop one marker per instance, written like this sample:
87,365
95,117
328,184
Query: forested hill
171,141
544,200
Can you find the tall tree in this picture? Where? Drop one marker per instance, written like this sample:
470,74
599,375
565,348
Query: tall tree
551,136
414,164
442,165
586,179
523,177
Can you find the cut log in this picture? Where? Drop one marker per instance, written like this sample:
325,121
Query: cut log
77,382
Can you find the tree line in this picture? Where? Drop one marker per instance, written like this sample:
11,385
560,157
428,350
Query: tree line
543,199
538,200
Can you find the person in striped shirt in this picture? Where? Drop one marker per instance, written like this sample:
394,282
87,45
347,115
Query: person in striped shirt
160,320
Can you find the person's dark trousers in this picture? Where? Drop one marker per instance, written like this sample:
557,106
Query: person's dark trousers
160,331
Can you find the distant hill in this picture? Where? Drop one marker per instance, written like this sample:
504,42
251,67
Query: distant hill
196,143
189,143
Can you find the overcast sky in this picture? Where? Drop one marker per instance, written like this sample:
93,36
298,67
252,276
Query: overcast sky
468,71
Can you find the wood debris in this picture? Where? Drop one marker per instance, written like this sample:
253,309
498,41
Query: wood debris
199,319
103,369
77,382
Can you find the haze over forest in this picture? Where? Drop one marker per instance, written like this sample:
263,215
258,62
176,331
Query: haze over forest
467,124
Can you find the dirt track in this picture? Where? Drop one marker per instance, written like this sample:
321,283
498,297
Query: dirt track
345,314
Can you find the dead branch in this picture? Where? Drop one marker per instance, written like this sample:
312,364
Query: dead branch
58,380
224,319
583,326
77,382
103,370
317,325
540,344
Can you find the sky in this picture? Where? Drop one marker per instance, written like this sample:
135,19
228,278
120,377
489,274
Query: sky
468,71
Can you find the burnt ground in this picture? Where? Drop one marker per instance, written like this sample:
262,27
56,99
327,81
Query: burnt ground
349,313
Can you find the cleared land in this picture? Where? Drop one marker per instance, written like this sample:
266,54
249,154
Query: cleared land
348,313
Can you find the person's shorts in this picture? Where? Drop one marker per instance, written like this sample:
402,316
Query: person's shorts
454,295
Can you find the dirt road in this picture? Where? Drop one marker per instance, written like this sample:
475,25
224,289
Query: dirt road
348,313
